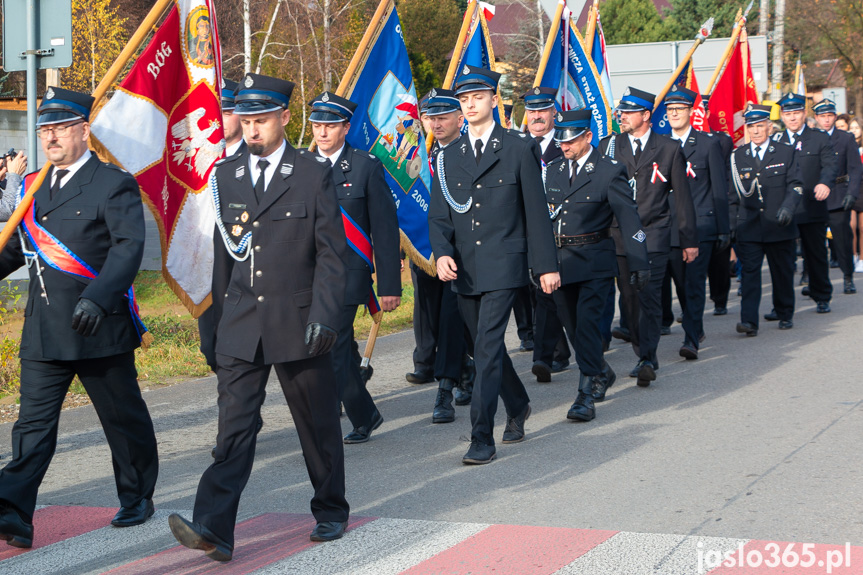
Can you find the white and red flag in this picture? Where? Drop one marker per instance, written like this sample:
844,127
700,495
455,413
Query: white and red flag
164,125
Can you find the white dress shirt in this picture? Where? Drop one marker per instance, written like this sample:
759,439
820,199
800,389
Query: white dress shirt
545,143
643,139
271,169
579,163
759,155
682,138
72,169
485,138
335,157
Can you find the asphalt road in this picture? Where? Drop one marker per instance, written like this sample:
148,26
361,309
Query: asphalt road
758,439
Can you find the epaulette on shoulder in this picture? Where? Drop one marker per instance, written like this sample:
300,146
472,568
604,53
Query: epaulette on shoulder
114,167
515,133
605,158
556,160
708,134
777,136
226,159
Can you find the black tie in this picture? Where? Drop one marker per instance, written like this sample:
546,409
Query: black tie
55,187
758,156
573,171
637,151
539,140
260,185
478,147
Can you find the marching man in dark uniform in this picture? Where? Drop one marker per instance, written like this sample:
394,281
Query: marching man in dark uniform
369,216
766,178
586,191
84,236
278,293
655,166
818,171
844,195
708,187
440,333
550,349
488,223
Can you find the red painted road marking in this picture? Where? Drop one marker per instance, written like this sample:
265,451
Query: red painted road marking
59,522
834,559
259,542
513,549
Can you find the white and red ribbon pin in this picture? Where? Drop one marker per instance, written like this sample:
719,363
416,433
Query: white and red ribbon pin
656,174
689,171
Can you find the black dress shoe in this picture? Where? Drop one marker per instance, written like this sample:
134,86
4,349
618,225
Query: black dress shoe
822,307
526,345
464,391
804,279
645,374
621,333
748,328
443,411
419,376
364,432
196,536
772,316
558,366
541,370
680,319
479,454
688,351
514,431
849,286
785,324
137,515
720,310
602,382
834,264
14,530
805,291
665,330
328,530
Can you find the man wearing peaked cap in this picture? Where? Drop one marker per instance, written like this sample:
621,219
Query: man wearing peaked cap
278,295
766,179
550,349
586,191
76,326
847,189
818,168
488,216
655,166
365,197
442,349
708,186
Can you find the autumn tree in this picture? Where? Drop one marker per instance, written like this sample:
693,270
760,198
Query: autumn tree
632,22
685,17
430,31
98,36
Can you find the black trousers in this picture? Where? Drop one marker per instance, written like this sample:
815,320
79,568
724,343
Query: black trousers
719,276
675,273
549,342
813,240
780,259
486,317
608,314
695,281
522,307
438,328
643,308
843,240
581,305
310,389
112,384
358,402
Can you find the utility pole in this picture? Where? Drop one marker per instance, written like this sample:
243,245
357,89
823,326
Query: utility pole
763,17
778,50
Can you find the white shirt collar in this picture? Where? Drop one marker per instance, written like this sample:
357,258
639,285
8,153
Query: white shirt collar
579,164
643,139
85,157
795,135
682,138
830,132
764,145
273,159
546,142
232,149
485,137
335,157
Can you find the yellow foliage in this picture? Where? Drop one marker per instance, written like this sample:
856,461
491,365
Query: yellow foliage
98,36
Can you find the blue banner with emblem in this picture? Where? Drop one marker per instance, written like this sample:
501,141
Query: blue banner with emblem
386,124
478,51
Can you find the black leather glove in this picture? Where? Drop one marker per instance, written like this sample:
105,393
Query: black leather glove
722,242
87,317
639,279
319,338
784,217
848,202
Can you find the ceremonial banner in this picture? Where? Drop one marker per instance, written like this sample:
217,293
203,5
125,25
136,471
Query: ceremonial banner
573,72
799,80
599,55
163,125
733,91
686,79
386,124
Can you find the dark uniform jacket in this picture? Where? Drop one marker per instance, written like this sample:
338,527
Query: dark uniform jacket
507,228
364,194
849,169
299,249
709,187
653,198
598,195
98,215
754,218
552,151
817,166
